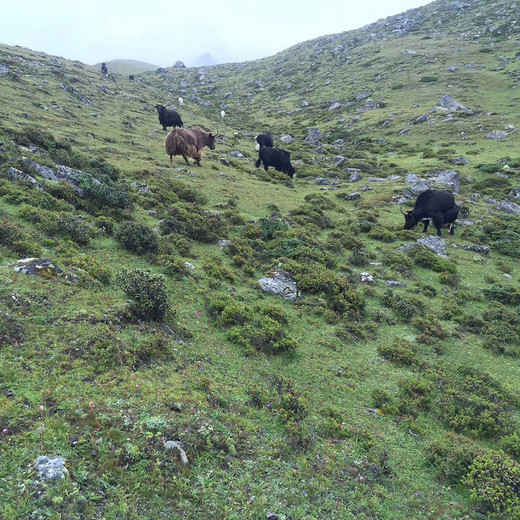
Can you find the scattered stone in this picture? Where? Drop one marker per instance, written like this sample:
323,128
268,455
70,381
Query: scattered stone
51,468
322,181
436,244
355,176
394,283
314,136
367,278
477,248
176,445
421,119
18,176
4,69
509,207
449,103
508,276
223,243
514,194
189,265
236,154
449,179
279,284
459,161
335,106
497,135
37,267
286,138
376,179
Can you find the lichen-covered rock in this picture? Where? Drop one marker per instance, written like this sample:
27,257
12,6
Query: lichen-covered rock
280,284
51,468
37,267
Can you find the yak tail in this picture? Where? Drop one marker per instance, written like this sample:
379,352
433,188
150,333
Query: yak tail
258,162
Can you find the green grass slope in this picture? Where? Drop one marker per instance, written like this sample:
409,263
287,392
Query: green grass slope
154,364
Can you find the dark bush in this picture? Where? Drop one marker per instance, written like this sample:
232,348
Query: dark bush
501,329
452,454
147,292
137,238
494,480
400,352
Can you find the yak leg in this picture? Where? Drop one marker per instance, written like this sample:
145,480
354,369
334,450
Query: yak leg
426,222
266,167
185,157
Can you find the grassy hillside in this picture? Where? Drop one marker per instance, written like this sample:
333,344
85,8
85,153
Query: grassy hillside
126,67
150,359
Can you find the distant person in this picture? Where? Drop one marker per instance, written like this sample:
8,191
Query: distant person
104,69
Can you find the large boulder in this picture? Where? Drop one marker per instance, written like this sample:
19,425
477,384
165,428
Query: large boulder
279,284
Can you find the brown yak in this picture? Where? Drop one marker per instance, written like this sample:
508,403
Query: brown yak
189,142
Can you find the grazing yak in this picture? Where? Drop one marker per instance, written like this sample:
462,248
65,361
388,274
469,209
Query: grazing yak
264,140
168,117
437,206
104,69
189,142
279,159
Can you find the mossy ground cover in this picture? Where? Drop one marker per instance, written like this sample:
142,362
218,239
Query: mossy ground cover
354,401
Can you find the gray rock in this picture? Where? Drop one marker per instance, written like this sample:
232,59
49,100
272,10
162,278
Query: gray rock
314,136
449,103
514,194
335,106
376,179
18,176
449,179
459,161
280,284
355,176
394,283
367,278
509,207
51,468
176,445
37,267
322,181
236,154
421,119
286,138
436,244
4,69
497,135
477,248
419,187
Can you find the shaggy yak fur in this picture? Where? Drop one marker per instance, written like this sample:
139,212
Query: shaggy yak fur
264,140
188,142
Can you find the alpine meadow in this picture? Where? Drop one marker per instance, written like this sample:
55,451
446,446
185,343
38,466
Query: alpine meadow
220,341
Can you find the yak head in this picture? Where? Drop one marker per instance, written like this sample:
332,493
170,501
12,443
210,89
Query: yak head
409,219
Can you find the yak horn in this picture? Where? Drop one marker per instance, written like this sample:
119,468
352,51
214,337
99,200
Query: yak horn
402,210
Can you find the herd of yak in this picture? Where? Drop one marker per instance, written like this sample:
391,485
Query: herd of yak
436,207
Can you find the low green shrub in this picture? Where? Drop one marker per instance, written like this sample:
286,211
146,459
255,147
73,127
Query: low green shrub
193,222
511,445
147,292
138,238
427,259
501,329
75,227
494,480
452,454
404,307
471,401
400,352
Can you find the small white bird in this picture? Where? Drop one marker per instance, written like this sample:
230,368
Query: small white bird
222,114
181,101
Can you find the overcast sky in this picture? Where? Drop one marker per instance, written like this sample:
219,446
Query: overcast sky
162,32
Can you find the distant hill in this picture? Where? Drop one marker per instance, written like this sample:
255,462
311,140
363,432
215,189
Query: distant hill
128,66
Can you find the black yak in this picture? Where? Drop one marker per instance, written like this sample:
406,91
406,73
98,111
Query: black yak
264,140
437,205
189,142
168,117
104,69
279,159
